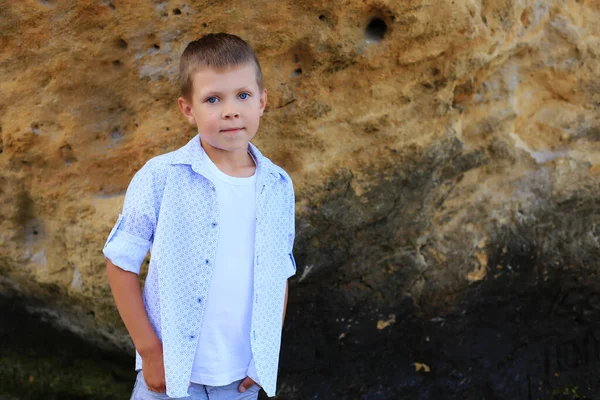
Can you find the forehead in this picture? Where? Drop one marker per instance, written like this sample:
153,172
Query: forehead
207,79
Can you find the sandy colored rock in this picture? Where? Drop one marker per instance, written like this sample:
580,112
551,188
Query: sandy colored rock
416,146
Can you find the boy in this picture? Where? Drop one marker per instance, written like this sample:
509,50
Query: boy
218,217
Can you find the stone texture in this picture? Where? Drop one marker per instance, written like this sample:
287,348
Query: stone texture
424,138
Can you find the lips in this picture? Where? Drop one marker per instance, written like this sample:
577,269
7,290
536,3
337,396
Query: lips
231,130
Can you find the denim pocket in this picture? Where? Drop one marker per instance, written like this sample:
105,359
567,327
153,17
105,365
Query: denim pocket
141,391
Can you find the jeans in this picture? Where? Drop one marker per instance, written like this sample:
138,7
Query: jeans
197,392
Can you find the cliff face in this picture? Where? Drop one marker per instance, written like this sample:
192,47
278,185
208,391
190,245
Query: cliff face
434,146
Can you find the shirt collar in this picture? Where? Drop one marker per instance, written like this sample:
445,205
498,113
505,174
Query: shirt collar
194,155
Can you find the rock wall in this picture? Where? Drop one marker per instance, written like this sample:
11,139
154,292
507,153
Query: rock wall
428,141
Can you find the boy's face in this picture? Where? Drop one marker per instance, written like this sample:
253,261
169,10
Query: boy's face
226,105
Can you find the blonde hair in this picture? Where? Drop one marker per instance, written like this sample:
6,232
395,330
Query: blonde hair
218,51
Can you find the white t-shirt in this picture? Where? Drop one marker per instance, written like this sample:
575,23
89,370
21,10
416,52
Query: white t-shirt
223,353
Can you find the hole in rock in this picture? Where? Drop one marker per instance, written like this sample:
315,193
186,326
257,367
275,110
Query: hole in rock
375,30
66,153
526,17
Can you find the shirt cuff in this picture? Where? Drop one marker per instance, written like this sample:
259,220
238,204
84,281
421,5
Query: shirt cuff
251,373
126,251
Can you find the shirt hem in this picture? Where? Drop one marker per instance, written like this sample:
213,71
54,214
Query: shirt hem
217,380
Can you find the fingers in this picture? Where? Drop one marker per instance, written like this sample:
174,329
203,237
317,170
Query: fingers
158,389
246,384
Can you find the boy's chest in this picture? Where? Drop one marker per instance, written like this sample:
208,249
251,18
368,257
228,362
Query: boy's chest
191,211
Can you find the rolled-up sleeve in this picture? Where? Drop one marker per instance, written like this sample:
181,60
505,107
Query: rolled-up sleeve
131,237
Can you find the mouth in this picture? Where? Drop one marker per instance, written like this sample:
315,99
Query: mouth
231,130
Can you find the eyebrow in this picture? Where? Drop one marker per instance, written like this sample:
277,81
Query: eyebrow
216,92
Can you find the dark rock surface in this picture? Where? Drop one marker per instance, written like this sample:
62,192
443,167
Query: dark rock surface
522,333
39,360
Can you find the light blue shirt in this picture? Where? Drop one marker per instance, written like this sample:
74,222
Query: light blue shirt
171,209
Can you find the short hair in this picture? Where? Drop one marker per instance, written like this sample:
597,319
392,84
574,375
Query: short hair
218,51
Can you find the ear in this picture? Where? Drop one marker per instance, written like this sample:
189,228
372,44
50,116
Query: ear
186,109
263,101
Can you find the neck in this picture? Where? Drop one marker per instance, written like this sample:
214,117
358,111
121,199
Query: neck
235,163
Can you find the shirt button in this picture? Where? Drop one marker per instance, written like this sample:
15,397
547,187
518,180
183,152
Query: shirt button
206,261
199,300
214,224
192,336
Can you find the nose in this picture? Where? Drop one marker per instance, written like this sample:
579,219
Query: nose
230,113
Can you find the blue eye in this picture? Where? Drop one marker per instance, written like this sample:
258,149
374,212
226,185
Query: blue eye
212,100
244,95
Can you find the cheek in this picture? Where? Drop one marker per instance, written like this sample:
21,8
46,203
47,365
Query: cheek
253,112
208,121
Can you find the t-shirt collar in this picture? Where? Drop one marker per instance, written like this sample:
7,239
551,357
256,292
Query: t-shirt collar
194,155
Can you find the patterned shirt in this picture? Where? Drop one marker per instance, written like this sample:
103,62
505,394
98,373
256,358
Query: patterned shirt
171,209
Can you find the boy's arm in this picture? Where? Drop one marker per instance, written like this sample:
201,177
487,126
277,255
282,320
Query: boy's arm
128,298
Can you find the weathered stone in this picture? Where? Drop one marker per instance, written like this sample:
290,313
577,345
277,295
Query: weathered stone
446,163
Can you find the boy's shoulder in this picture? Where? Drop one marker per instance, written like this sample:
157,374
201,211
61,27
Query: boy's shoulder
159,163
278,170
153,175
269,165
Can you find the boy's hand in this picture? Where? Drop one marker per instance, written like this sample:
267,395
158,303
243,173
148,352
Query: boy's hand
247,384
153,367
